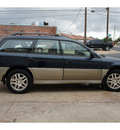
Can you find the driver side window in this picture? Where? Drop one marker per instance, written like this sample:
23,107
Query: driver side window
74,49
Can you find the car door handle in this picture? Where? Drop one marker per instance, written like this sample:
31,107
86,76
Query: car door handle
31,59
69,62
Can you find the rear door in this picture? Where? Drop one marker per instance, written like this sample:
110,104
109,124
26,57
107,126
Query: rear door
13,52
45,61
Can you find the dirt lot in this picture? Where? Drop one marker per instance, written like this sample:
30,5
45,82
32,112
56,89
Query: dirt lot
60,103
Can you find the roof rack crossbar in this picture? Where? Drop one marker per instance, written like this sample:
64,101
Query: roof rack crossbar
19,33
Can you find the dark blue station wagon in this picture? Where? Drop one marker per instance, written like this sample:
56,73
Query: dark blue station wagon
27,60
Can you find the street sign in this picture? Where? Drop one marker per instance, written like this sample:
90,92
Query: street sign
108,35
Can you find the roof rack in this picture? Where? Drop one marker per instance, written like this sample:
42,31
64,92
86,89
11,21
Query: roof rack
44,34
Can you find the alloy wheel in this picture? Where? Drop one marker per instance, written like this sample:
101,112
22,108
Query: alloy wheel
19,81
113,81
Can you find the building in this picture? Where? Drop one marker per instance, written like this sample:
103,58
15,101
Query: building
6,30
77,37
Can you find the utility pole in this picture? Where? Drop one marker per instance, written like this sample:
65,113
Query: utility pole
107,24
85,26
114,32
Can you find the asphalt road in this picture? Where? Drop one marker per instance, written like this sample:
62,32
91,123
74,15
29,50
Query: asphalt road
117,48
117,54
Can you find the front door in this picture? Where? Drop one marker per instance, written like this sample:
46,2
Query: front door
77,62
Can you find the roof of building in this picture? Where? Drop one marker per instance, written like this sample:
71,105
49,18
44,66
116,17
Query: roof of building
76,37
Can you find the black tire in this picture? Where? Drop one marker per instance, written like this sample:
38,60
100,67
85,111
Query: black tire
112,81
107,48
18,81
103,49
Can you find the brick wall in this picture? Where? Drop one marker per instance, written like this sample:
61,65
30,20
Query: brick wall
6,30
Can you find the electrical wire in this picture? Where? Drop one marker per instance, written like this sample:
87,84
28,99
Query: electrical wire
100,11
41,16
73,20
114,12
56,16
34,11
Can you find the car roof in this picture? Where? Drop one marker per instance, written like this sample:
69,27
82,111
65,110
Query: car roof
39,37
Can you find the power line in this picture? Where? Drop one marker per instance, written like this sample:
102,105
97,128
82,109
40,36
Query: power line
98,10
56,16
73,21
100,13
41,16
14,11
114,12
35,11
22,10
105,15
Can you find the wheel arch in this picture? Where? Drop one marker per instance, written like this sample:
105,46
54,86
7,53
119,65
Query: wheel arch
14,68
115,67
114,82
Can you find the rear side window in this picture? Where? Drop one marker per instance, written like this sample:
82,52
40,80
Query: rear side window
47,47
16,45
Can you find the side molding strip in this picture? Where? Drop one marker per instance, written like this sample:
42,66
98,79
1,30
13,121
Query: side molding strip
66,81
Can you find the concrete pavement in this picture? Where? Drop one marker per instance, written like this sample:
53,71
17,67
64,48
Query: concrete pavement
60,103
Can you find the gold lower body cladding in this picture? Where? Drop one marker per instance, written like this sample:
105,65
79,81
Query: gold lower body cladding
61,76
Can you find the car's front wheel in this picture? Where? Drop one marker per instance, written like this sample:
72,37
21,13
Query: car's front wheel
18,81
112,81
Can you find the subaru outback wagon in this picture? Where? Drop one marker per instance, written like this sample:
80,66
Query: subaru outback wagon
27,60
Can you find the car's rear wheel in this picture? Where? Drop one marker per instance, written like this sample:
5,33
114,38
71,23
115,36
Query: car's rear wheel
103,49
112,81
107,48
19,81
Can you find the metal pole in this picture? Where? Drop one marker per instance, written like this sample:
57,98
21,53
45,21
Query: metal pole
114,32
107,24
85,26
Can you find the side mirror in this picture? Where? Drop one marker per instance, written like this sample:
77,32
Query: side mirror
103,55
92,55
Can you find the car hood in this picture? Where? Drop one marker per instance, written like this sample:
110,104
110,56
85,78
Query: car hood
110,59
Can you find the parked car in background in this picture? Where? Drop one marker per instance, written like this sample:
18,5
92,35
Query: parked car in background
96,43
28,60
118,43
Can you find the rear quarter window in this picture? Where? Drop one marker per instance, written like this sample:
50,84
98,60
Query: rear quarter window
16,45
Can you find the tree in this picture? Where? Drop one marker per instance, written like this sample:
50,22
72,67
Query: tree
109,39
117,40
